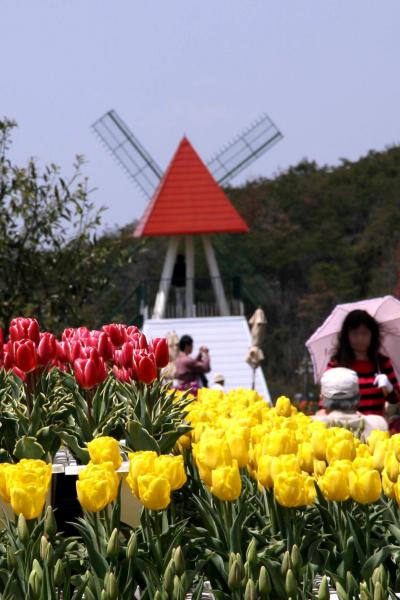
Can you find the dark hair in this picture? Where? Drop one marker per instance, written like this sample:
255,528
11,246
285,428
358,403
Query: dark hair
344,354
185,340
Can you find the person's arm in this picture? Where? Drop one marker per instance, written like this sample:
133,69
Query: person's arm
394,394
198,365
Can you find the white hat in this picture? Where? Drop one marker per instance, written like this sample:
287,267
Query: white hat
338,385
218,378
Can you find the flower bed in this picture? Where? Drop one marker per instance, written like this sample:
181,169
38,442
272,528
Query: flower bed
260,502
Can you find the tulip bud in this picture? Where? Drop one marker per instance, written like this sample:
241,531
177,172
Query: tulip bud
179,561
341,592
49,554
169,575
380,575
251,554
351,583
43,546
104,595
247,571
286,563
131,547
113,545
364,592
290,584
296,559
22,529
323,592
50,523
250,591
178,592
240,563
157,596
59,575
232,558
264,583
37,567
379,593
111,587
34,584
234,577
11,559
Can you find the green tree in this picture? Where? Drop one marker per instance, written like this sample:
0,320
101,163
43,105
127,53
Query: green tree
52,265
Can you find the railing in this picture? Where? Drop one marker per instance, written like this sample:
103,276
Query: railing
204,301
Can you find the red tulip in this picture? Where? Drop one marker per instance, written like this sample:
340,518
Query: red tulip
145,366
25,356
104,346
140,341
116,333
122,374
24,329
161,352
90,372
127,355
47,348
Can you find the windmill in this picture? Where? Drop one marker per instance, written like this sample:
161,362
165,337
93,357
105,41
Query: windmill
144,171
186,201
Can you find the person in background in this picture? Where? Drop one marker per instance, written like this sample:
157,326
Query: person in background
178,282
358,349
219,382
340,395
190,372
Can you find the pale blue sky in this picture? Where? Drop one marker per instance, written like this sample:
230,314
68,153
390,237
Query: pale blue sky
326,71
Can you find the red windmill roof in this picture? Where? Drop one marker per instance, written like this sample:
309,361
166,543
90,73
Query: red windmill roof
189,201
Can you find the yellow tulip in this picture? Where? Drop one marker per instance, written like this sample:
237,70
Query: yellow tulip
105,449
226,483
239,448
363,451
363,462
334,484
319,467
387,485
264,471
306,456
365,485
93,494
391,466
173,468
4,491
154,491
375,436
213,453
283,407
28,500
141,463
280,442
319,440
339,449
284,464
294,489
395,444
378,457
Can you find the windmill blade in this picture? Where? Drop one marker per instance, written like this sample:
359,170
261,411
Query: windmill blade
128,152
245,149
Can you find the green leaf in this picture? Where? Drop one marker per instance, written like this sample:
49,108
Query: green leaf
139,438
28,447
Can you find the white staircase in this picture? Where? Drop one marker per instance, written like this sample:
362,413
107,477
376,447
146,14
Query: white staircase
228,339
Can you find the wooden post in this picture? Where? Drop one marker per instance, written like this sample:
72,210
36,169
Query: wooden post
165,281
215,277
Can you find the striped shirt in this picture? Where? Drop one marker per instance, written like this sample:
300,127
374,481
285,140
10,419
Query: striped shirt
372,398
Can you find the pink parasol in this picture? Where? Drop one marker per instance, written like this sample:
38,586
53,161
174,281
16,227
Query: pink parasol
386,310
